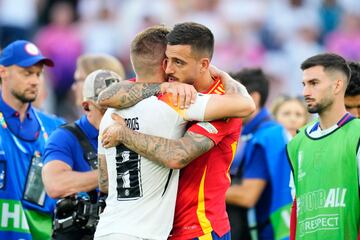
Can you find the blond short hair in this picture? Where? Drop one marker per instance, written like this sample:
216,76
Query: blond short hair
92,62
280,100
148,49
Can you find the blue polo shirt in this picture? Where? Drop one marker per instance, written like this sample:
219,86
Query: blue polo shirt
19,143
64,146
27,130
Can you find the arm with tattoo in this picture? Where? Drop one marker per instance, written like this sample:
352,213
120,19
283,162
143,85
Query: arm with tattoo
170,153
103,174
126,94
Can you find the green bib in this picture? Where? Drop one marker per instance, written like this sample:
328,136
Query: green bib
326,180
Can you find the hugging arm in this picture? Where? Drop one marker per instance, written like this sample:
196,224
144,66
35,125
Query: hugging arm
168,152
171,153
236,102
126,94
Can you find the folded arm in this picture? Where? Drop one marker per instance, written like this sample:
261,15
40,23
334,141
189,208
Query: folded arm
61,181
247,193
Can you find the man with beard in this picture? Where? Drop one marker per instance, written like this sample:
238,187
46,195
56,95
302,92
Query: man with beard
26,210
325,155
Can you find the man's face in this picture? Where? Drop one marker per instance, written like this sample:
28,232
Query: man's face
181,64
318,90
23,82
352,104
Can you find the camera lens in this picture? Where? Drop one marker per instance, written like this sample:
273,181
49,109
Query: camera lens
65,207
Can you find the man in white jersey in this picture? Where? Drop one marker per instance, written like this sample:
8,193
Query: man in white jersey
325,156
142,194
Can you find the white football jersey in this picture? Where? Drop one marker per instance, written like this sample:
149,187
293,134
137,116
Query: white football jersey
142,194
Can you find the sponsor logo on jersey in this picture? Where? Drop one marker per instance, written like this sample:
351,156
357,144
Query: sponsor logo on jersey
312,201
301,173
208,127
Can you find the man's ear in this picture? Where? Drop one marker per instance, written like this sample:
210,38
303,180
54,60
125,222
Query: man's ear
164,64
339,86
205,64
86,106
256,97
3,72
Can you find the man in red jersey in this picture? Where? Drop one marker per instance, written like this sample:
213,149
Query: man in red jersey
209,146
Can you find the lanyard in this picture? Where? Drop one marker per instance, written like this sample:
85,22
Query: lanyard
16,140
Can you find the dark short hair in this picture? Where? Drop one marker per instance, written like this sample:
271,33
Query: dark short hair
353,88
255,80
330,61
198,36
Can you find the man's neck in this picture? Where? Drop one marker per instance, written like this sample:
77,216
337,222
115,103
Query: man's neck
16,104
155,78
204,83
332,116
94,118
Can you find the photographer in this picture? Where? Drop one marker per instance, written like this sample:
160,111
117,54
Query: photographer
70,164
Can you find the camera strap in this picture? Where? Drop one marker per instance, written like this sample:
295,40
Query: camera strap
90,153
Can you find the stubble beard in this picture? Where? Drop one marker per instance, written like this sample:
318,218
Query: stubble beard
21,97
321,107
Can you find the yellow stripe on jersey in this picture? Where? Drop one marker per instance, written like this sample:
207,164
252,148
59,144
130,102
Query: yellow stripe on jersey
200,211
221,88
216,85
233,148
207,236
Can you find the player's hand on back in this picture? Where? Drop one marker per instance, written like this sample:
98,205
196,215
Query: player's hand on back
112,135
182,94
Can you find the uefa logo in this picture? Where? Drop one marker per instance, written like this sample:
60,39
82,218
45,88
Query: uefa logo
31,49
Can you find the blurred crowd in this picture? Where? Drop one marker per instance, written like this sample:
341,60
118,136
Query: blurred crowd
276,35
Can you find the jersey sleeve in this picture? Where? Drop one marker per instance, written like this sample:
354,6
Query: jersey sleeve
196,111
59,147
216,130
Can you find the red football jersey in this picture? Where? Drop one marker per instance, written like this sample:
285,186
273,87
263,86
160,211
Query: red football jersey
200,205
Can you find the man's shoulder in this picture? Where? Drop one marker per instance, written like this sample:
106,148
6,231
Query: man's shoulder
49,119
269,128
61,135
355,123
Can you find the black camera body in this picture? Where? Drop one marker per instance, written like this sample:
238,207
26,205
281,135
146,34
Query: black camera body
77,213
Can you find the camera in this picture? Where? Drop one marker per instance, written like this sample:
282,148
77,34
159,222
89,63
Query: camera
78,213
